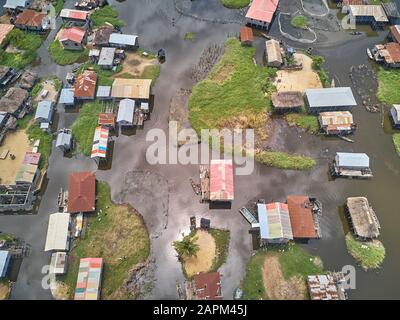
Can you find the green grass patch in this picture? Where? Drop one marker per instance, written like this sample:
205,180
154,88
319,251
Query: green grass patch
65,57
117,234
46,140
235,4
369,255
283,160
396,141
21,40
58,6
234,86
389,86
303,121
318,61
36,89
106,14
85,125
151,72
221,238
294,262
189,36
299,22
149,56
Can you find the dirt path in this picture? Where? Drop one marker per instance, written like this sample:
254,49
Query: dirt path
276,286
203,261
17,143
299,80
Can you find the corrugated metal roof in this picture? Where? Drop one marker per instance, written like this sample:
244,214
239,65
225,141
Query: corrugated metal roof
67,96
89,279
208,286
301,217
58,232
330,97
100,143
31,158
4,261
123,39
63,139
44,110
126,110
357,160
106,56
221,180
262,10
81,192
103,92
273,49
13,4
74,14
395,111
369,10
274,221
131,88
26,173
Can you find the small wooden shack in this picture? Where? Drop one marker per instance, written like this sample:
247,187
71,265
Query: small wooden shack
287,101
364,223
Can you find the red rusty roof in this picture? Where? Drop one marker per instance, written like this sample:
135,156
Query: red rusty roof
5,30
74,14
107,119
30,18
81,192
301,219
73,34
221,180
393,49
395,30
246,34
208,286
353,2
262,10
85,86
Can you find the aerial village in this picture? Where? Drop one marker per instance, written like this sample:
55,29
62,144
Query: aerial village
81,86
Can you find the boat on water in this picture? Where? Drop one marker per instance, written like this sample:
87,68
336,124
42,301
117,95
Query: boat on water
369,53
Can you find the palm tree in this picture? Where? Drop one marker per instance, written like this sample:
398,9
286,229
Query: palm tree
187,247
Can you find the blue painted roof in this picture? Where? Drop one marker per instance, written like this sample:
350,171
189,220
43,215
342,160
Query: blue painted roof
330,97
344,159
67,96
4,261
263,219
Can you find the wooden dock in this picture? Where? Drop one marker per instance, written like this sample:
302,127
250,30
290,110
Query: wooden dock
205,182
347,173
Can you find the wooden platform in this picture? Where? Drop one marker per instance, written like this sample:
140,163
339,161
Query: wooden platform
4,154
205,182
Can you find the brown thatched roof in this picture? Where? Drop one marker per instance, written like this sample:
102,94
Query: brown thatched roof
363,218
287,99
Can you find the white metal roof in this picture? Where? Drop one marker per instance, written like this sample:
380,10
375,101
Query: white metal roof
126,110
123,39
57,232
358,160
330,97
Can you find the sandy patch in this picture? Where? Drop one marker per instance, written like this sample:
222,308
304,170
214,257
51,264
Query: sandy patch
298,80
205,255
277,287
135,64
60,291
51,96
17,143
4,290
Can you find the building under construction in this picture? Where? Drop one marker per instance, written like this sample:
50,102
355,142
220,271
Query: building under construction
16,198
363,220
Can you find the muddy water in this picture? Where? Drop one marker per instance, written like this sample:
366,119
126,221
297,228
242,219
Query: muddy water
167,213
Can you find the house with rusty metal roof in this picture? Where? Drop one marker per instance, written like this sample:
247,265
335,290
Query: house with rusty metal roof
337,122
85,86
74,17
32,20
246,36
5,29
81,192
207,286
327,286
394,34
221,180
303,218
388,54
72,38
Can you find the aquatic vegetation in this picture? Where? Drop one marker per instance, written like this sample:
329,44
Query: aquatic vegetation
369,255
299,22
396,141
283,160
303,121
235,4
389,86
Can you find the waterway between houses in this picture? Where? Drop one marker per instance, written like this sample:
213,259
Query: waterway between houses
159,25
